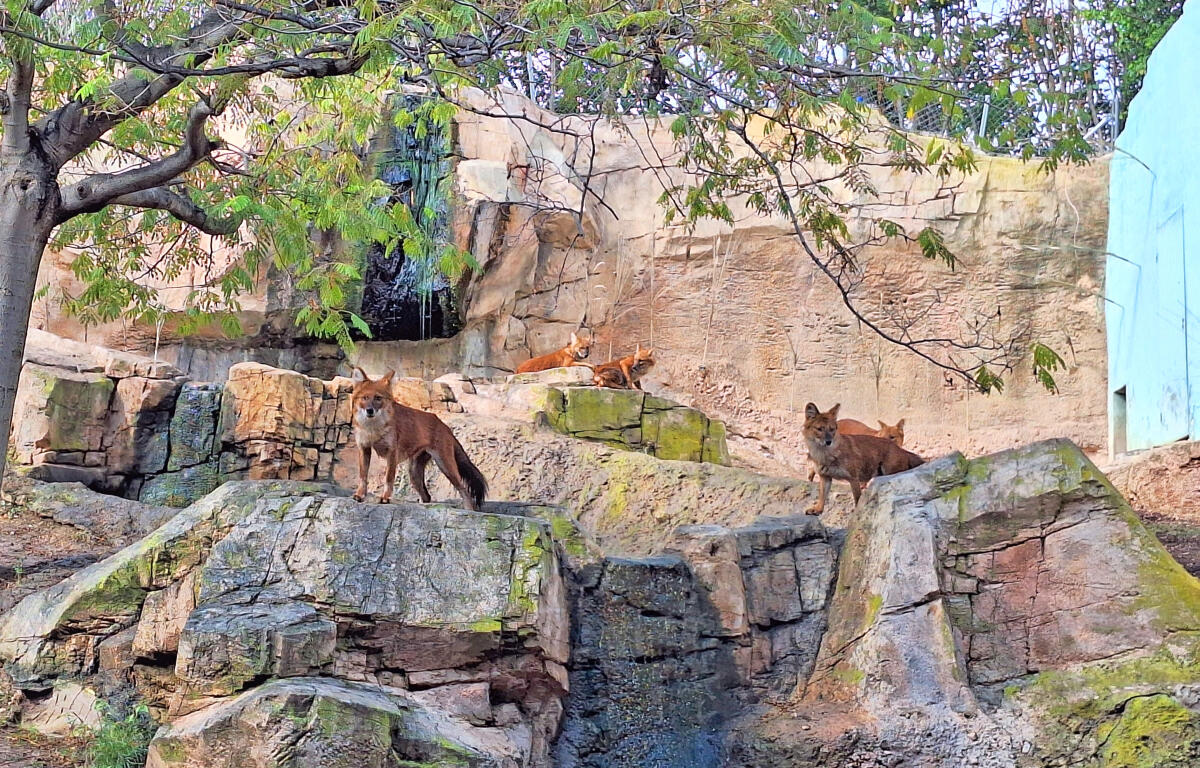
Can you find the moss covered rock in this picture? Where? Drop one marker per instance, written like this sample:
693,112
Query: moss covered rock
629,419
308,722
54,633
1016,595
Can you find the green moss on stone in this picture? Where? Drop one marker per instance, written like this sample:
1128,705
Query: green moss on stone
1152,732
486,626
716,449
678,433
1165,589
567,533
599,411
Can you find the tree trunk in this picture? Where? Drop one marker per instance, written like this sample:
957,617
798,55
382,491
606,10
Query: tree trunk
29,204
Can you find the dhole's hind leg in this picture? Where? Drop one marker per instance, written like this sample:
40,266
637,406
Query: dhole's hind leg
364,466
450,470
856,490
416,475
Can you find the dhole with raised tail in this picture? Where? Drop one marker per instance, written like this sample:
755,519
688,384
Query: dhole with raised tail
626,372
854,458
855,427
399,433
572,354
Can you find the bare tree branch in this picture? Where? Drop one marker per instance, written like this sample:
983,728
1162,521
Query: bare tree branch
180,207
74,127
98,190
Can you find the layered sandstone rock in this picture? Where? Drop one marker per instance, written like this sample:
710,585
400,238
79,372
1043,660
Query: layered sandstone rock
747,327
1006,611
92,415
281,581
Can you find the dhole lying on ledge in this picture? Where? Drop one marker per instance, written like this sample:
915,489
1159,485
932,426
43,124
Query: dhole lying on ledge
854,458
399,433
626,372
572,354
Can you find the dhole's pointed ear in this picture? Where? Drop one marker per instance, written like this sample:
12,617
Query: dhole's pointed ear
833,411
649,353
359,375
883,426
811,411
574,340
900,424
387,377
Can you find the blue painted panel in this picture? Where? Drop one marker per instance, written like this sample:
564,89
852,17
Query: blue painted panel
1158,402
1152,281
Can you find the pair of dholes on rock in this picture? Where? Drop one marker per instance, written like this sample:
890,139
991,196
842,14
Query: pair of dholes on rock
838,449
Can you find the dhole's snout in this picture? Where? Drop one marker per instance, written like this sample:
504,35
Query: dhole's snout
370,412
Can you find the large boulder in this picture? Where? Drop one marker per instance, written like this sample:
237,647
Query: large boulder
311,722
624,418
266,581
56,633
1009,610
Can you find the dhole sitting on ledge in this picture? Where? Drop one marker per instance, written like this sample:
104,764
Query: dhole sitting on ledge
626,372
397,432
572,354
854,458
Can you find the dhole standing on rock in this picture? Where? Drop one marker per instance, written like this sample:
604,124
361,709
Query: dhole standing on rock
572,354
854,458
855,427
397,432
626,372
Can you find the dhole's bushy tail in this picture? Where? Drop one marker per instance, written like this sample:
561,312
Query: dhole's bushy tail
470,474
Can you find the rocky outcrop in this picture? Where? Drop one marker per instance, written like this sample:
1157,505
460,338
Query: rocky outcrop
669,649
628,501
1004,611
92,415
447,614
426,632
129,426
267,423
630,418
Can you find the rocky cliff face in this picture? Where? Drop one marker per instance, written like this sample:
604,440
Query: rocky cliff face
1003,611
746,327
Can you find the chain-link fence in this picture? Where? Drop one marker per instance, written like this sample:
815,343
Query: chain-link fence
1000,125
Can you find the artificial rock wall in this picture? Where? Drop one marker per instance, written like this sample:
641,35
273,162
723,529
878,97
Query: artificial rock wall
744,325
130,426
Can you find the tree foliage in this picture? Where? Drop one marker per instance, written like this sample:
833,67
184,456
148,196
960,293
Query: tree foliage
1133,28
123,95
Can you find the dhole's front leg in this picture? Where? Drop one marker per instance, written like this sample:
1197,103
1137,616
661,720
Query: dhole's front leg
819,507
628,372
392,462
364,467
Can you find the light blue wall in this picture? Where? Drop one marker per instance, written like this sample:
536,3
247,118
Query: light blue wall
1152,280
